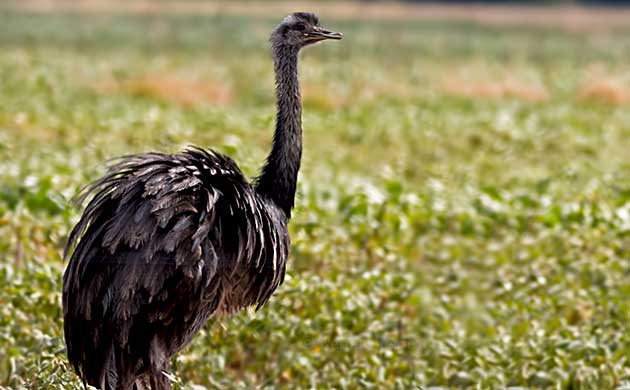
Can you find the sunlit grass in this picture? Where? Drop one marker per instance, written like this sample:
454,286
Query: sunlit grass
463,216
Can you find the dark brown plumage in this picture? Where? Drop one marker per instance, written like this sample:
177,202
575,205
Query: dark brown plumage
166,241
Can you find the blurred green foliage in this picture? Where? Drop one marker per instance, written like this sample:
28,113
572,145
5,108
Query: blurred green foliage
443,238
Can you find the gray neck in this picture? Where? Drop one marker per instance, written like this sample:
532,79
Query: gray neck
278,179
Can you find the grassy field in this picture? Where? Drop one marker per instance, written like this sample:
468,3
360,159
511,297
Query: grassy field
463,218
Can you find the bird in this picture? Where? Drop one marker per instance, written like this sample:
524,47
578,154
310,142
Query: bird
166,241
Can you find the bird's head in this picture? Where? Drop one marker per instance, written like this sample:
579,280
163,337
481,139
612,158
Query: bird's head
301,29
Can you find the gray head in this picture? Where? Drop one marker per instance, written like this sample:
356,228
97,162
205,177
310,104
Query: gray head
301,29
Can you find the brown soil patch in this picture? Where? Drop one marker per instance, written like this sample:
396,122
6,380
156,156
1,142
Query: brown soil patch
496,89
605,85
570,17
171,88
609,91
330,97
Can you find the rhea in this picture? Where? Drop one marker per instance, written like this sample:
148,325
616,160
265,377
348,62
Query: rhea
168,240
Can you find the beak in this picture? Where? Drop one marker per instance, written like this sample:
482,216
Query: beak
320,34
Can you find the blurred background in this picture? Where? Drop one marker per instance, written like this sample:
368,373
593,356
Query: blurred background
463,217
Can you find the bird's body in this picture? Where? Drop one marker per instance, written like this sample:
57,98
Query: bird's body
169,240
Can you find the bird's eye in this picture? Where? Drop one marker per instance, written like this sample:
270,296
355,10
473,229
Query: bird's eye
300,27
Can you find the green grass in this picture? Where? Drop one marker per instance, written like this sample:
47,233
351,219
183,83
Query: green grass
440,239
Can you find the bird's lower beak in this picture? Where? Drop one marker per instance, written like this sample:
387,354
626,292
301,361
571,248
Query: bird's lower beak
321,34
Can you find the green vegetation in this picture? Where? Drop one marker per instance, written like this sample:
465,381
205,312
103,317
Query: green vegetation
464,210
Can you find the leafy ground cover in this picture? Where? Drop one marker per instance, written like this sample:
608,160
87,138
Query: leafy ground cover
463,218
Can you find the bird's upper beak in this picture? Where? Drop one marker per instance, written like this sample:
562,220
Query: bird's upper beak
319,34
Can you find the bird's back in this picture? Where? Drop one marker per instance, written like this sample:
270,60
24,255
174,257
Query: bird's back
165,242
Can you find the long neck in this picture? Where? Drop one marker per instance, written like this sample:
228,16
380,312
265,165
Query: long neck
278,179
